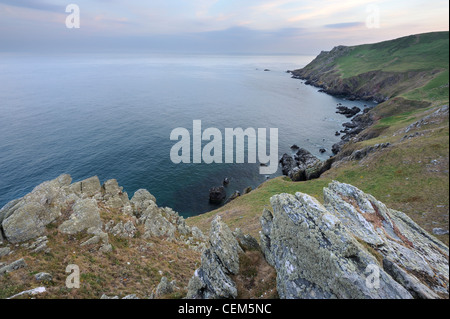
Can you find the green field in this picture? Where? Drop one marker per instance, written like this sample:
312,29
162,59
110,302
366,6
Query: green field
413,53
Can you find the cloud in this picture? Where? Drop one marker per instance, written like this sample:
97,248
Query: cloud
34,4
344,25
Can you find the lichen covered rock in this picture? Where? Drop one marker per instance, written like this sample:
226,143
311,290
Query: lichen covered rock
336,250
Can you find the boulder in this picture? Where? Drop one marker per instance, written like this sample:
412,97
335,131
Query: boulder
90,186
348,245
247,242
155,224
217,194
85,215
26,218
43,276
141,200
4,251
235,195
13,266
113,194
212,280
165,287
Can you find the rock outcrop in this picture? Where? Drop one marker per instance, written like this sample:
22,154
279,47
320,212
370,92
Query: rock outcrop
212,280
303,166
353,246
76,208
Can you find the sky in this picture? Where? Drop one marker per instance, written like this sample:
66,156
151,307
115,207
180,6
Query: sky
213,26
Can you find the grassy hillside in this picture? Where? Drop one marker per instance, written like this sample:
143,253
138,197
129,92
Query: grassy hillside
415,66
412,175
419,52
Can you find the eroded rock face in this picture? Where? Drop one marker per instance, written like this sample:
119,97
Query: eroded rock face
26,218
212,280
393,234
334,251
85,215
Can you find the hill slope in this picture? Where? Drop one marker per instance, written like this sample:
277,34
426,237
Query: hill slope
382,70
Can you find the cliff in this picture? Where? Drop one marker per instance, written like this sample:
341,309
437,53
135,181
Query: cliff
379,71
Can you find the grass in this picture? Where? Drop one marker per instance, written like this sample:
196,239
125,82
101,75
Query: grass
135,266
413,53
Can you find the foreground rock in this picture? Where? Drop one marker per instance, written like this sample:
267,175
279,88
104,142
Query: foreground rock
212,280
353,247
76,208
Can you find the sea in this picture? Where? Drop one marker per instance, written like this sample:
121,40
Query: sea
112,115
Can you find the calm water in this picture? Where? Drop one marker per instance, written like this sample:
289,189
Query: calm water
112,117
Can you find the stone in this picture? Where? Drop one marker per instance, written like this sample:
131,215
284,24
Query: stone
164,288
392,234
316,258
141,200
235,195
85,215
124,231
247,242
43,276
4,251
90,186
342,241
440,231
155,224
25,218
247,190
18,264
217,194
225,245
212,280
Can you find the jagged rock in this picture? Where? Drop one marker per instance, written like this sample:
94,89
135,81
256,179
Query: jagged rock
4,251
90,186
39,245
197,233
141,200
316,257
217,194
247,242
304,166
85,215
132,296
411,283
13,266
26,218
329,251
124,231
155,224
164,288
114,195
287,164
225,245
392,234
235,195
348,112
211,280
43,276
440,231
